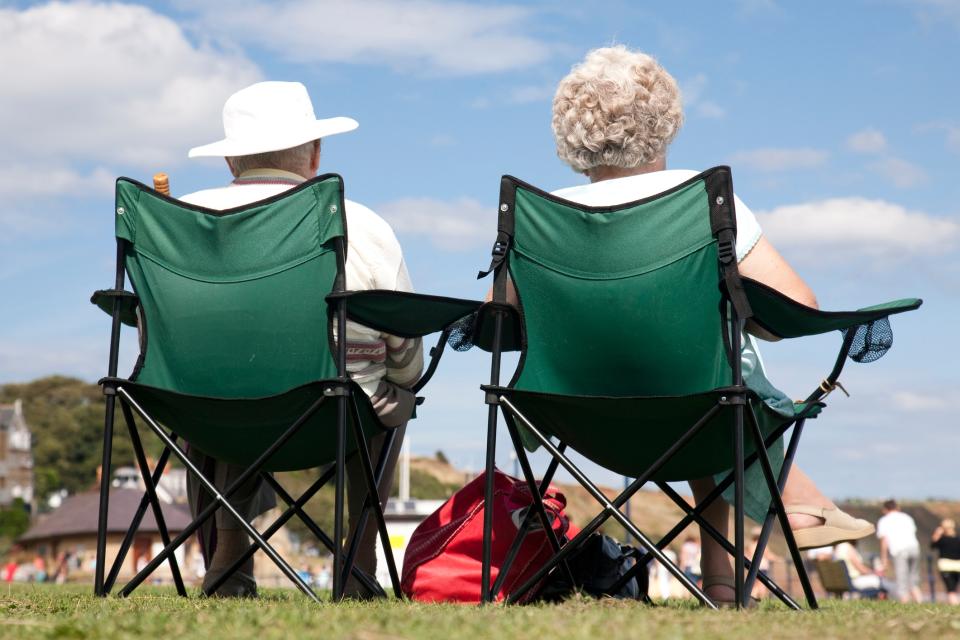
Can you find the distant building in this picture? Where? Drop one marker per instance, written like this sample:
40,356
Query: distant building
16,459
171,488
71,531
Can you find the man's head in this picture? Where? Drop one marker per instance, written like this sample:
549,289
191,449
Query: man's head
303,160
890,505
271,125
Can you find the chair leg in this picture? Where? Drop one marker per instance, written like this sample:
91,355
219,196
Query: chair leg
135,522
781,513
489,470
771,516
612,509
525,525
105,473
738,515
220,499
292,509
338,584
537,498
373,494
151,493
390,439
694,515
315,529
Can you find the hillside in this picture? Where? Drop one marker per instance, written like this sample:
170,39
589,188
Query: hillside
656,514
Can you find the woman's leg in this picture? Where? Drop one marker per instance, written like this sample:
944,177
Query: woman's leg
800,489
714,560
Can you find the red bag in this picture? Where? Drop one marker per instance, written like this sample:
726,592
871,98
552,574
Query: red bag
443,561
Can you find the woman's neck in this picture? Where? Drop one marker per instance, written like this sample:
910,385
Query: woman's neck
597,174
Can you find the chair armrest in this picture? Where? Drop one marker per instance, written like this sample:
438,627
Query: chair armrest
786,318
128,301
485,325
401,313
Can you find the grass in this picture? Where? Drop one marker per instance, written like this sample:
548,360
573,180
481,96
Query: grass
44,611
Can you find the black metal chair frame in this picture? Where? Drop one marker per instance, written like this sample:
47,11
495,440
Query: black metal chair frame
347,412
735,396
734,311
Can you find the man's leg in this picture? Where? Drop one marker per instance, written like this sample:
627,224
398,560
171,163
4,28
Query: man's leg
222,540
914,566
901,575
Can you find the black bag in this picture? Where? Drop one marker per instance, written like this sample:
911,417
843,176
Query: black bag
596,567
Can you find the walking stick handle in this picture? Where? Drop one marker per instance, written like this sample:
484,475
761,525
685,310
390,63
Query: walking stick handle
161,183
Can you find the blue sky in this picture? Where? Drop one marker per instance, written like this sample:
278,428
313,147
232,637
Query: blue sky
840,121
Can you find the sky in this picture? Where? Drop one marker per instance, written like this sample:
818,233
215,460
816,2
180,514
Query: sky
840,121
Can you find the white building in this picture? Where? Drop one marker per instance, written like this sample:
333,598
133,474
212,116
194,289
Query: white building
16,458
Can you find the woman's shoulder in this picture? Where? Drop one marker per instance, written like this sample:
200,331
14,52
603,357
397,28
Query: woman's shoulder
619,190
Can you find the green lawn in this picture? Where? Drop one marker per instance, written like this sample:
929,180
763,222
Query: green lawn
71,612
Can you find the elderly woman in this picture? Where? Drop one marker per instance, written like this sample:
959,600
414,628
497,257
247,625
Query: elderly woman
614,117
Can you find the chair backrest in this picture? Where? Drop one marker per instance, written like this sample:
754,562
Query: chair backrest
622,300
834,576
232,302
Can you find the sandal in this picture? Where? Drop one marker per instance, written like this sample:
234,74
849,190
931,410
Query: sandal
726,581
838,526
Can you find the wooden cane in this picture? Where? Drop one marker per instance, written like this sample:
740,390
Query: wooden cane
161,183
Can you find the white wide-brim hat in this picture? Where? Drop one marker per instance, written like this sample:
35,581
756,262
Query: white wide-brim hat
270,116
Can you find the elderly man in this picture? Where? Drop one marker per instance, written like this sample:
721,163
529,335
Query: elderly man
272,143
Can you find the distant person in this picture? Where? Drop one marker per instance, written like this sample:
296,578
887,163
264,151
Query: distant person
947,544
39,569
273,144
10,569
62,571
862,577
898,543
690,558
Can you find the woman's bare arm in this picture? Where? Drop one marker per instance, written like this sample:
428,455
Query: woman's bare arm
765,264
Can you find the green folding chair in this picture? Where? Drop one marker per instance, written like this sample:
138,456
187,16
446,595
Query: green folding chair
629,331
237,357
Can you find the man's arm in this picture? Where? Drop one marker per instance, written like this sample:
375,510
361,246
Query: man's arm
884,554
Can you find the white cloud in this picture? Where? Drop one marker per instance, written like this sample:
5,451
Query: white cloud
692,91
857,229
29,182
532,93
517,95
867,141
108,84
710,109
901,173
449,224
431,36
442,140
780,159
913,401
754,7
936,12
951,133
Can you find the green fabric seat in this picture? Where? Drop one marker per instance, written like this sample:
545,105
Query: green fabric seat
629,324
236,311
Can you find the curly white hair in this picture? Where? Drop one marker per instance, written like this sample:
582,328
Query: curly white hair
617,108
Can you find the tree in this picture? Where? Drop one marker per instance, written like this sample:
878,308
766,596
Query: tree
65,416
14,520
